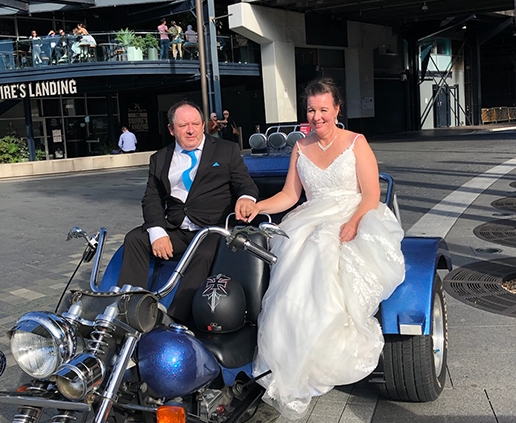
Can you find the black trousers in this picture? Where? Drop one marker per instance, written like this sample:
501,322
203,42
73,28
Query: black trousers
136,262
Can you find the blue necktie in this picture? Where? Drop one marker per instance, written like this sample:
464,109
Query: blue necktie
186,174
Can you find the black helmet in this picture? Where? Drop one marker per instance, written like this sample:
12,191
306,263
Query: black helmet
219,305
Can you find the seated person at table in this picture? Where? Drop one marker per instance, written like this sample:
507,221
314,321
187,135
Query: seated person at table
190,46
61,50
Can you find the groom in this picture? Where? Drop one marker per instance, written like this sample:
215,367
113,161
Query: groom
193,183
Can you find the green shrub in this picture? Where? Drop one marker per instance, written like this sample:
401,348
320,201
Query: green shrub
13,150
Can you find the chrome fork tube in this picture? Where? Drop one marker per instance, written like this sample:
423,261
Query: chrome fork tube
115,379
28,415
96,261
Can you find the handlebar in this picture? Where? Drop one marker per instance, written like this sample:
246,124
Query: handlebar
235,243
259,252
241,242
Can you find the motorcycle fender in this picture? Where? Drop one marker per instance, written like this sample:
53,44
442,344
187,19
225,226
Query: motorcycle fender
408,311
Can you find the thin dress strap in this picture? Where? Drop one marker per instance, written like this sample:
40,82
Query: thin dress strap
353,143
298,148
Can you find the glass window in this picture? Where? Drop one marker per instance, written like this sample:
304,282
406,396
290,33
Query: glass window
97,106
52,107
443,46
74,107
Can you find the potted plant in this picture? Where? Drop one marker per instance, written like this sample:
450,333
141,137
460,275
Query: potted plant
139,46
152,46
131,43
125,37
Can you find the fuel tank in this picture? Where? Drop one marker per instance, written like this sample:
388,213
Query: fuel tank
174,363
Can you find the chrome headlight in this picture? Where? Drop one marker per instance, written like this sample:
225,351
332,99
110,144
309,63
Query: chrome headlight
80,376
41,342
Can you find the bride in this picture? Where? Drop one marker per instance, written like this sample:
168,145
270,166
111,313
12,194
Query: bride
317,327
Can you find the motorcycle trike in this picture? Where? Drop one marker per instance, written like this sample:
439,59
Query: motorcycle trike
113,354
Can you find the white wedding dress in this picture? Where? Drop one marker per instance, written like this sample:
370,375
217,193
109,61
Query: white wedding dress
317,327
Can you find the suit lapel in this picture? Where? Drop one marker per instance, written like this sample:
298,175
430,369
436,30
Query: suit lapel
166,167
205,163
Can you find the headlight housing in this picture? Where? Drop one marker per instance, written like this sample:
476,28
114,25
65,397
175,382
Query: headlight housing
41,342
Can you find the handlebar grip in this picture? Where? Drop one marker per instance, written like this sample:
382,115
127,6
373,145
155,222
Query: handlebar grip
260,252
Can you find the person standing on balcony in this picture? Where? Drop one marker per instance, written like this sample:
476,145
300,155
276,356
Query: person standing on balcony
51,44
177,40
36,48
127,141
164,41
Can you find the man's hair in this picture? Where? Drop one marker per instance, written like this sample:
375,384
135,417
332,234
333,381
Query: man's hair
172,111
323,86
124,128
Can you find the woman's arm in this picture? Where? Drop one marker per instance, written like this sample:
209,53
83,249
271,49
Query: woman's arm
368,180
287,197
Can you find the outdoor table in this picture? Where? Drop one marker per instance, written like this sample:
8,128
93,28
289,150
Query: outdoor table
109,51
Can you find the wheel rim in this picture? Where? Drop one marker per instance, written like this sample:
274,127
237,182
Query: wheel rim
438,334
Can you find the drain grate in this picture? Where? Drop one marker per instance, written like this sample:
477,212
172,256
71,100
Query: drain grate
479,284
507,204
501,231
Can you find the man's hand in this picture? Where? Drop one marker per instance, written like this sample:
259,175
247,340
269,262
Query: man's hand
243,208
162,248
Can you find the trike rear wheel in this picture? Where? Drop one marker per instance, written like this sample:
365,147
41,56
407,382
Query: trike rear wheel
415,366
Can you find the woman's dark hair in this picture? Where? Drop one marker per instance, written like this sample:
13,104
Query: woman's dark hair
172,111
323,86
163,20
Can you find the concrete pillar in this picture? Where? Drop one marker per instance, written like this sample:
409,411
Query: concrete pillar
359,82
277,32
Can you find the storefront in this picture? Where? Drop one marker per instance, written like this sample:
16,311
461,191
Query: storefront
65,123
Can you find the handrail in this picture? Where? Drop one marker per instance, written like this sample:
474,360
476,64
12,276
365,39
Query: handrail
23,52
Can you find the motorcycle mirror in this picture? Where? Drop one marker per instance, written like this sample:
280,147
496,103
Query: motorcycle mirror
3,362
271,229
77,232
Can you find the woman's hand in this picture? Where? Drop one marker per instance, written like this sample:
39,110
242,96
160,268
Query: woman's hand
254,213
348,231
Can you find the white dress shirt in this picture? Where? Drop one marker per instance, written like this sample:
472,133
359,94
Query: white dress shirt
181,162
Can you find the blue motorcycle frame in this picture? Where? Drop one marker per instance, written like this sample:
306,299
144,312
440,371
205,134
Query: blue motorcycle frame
414,322
413,318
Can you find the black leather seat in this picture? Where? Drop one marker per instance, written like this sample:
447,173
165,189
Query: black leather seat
236,349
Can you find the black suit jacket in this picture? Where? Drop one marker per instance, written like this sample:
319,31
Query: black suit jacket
222,177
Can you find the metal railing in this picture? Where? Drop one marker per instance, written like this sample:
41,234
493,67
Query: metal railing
103,46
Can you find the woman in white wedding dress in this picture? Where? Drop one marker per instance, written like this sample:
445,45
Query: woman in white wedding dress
317,327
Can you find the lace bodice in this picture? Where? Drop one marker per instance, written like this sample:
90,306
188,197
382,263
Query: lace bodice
339,178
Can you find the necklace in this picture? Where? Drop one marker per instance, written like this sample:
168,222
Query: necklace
322,147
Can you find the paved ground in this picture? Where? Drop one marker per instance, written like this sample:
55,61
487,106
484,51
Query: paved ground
440,190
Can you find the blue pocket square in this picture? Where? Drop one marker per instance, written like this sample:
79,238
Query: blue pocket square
215,164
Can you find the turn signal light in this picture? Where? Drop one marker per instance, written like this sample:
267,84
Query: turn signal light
171,414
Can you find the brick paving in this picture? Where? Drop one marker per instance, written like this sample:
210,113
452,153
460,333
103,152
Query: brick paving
36,263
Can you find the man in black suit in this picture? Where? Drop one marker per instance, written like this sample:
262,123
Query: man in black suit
193,183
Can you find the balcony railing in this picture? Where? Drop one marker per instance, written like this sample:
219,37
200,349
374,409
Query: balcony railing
68,50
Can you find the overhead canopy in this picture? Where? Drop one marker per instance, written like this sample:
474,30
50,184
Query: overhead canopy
391,12
39,6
